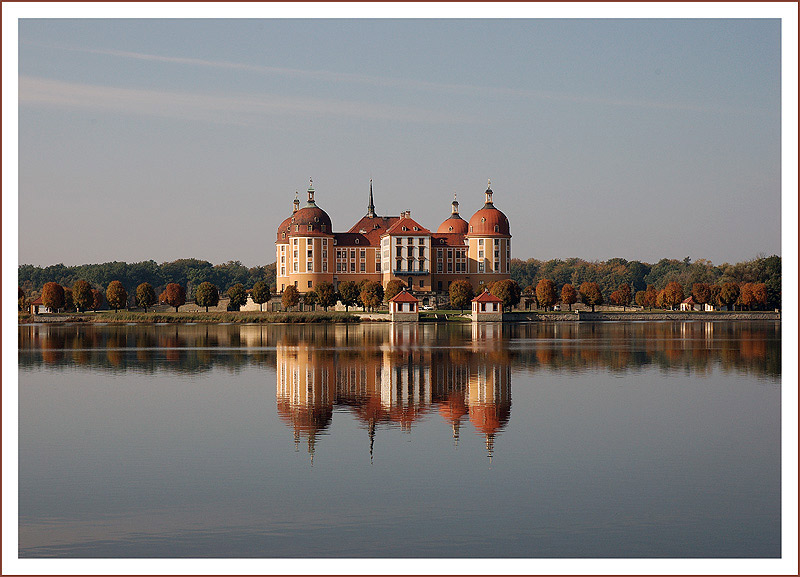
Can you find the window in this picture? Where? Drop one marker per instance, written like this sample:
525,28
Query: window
338,267
421,283
283,271
324,228
283,287
398,240
363,266
496,254
309,284
283,258
497,242
399,263
295,267
439,285
377,266
439,252
439,266
324,267
295,241
352,254
472,229
480,242
481,267
295,253
283,235
363,254
310,252
352,267
497,228
324,255
295,284
324,240
480,254
421,241
310,227
356,241
449,267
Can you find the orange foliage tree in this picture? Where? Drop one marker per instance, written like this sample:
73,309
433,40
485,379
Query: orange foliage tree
174,295
673,294
53,296
116,295
569,296
591,294
546,293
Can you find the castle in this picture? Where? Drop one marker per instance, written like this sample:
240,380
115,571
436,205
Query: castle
383,248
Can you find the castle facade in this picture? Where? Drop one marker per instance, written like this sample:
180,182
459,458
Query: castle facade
383,248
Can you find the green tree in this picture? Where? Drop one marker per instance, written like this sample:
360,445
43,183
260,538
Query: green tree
145,296
261,293
569,296
546,293
311,298
116,295
348,294
591,294
290,297
371,294
326,294
729,294
53,296
461,294
206,295
175,295
82,294
393,288
69,304
238,296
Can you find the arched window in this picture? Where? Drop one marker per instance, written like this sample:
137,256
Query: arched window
497,228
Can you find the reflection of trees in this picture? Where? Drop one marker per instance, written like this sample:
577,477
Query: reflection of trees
745,347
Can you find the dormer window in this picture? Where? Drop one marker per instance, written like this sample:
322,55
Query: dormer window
416,228
450,229
483,219
283,235
316,219
324,227
472,229
405,228
310,227
497,228
297,228
356,241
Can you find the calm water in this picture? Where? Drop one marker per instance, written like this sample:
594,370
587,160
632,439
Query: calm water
532,440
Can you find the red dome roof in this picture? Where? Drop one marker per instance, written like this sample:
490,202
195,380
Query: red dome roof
489,221
454,224
284,229
313,215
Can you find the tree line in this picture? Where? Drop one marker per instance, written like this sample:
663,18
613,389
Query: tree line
610,275
189,273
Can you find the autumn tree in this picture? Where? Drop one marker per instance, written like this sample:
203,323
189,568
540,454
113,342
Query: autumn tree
371,294
760,294
237,296
714,294
393,288
261,293
701,293
145,296
82,294
116,295
728,294
747,295
97,299
569,296
659,302
175,295
348,294
673,294
507,291
546,293
650,296
290,297
639,298
53,296
461,294
591,294
624,297
326,294
206,295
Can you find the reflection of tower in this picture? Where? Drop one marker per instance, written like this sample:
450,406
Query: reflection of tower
303,391
405,380
490,400
486,335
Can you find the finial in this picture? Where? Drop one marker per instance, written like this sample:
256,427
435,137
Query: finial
489,192
489,186
310,191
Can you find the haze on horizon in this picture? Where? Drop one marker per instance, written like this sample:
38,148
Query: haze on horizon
166,139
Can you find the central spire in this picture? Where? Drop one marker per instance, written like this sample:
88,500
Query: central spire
455,204
311,192
371,205
489,192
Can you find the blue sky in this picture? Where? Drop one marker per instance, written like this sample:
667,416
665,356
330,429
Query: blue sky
163,139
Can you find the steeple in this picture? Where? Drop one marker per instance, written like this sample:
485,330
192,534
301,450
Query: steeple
371,205
489,193
455,205
296,202
311,193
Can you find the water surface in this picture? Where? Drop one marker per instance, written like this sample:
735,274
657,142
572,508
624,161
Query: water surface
651,439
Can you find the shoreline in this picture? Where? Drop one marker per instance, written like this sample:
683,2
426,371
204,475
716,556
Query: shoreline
361,317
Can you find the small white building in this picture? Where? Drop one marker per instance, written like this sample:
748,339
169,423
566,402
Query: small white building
37,307
487,307
404,307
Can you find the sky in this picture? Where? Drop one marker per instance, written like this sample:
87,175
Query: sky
162,139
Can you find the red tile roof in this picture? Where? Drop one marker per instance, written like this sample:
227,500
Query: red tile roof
486,297
349,239
410,224
404,297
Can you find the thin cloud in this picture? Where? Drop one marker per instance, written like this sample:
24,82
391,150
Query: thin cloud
392,82
239,110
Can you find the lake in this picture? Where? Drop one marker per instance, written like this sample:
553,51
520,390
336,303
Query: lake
549,440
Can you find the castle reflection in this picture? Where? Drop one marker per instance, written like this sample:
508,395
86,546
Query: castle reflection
394,385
